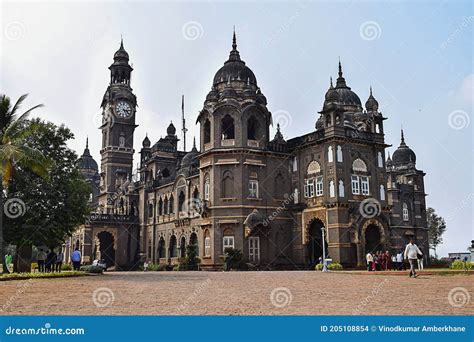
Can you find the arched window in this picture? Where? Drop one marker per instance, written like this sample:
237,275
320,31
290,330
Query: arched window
150,209
160,207
339,154
122,140
171,204
207,243
332,190
405,212
181,200
173,247
227,184
165,206
207,185
359,165
295,164
252,128
382,193
377,128
161,248
328,120
379,159
313,168
182,247
193,241
341,188
330,154
228,129
207,131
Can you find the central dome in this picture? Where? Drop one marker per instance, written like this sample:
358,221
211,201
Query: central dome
234,69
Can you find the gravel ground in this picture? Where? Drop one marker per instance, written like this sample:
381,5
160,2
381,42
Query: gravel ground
240,293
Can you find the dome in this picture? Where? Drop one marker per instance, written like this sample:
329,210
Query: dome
234,69
212,95
121,54
371,105
190,158
146,142
342,94
86,162
331,95
171,130
403,155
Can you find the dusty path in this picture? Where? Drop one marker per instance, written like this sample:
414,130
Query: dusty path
239,293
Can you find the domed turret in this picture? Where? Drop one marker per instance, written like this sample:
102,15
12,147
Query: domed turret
190,159
86,162
234,69
342,95
121,54
146,142
371,105
171,130
403,155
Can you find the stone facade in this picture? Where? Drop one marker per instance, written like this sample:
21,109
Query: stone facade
273,199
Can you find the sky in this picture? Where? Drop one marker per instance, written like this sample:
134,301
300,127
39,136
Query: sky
417,56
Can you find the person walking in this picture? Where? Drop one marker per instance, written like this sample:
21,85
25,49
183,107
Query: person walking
411,253
41,259
420,262
8,262
399,261
76,259
370,260
59,261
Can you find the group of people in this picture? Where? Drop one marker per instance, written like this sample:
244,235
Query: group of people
49,261
380,261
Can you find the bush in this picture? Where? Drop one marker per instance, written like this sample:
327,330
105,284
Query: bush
233,260
176,268
92,269
461,265
34,266
318,267
156,267
66,267
335,266
190,262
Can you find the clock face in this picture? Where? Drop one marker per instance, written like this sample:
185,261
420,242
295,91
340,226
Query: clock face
123,109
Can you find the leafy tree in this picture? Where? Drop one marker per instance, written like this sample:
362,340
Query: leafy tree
436,228
14,151
191,261
55,206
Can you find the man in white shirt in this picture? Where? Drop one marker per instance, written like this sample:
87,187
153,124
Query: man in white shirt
411,253
370,260
399,261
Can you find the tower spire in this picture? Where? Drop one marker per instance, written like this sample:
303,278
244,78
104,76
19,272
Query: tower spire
234,41
87,142
403,138
121,42
184,129
341,82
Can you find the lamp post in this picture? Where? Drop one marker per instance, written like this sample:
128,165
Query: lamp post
325,269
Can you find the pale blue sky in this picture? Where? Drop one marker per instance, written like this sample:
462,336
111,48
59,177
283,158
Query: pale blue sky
418,56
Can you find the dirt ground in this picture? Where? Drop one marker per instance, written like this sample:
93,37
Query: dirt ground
240,293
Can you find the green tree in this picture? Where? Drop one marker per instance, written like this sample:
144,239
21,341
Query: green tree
14,151
55,206
436,228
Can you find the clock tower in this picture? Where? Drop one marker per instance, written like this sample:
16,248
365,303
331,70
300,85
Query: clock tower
118,124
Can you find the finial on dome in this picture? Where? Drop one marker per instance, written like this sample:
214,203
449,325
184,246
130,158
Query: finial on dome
121,41
341,82
87,142
234,41
403,137
330,82
340,67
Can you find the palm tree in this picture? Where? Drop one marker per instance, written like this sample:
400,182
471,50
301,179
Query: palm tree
14,150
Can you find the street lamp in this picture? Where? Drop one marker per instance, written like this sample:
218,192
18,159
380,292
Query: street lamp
325,269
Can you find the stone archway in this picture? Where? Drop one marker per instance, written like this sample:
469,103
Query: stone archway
106,248
372,236
315,242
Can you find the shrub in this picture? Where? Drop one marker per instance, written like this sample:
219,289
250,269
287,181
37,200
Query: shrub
190,262
156,267
92,269
67,267
233,260
176,268
335,266
461,265
318,267
34,266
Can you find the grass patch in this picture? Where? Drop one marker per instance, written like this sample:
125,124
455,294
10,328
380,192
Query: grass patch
37,275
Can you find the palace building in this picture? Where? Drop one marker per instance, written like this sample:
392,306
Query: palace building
276,200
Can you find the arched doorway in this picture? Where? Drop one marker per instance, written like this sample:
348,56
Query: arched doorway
182,247
193,240
106,248
372,239
161,248
315,242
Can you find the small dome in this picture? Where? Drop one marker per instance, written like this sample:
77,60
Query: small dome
190,159
371,105
121,54
146,142
212,95
171,130
342,95
86,162
331,95
403,155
